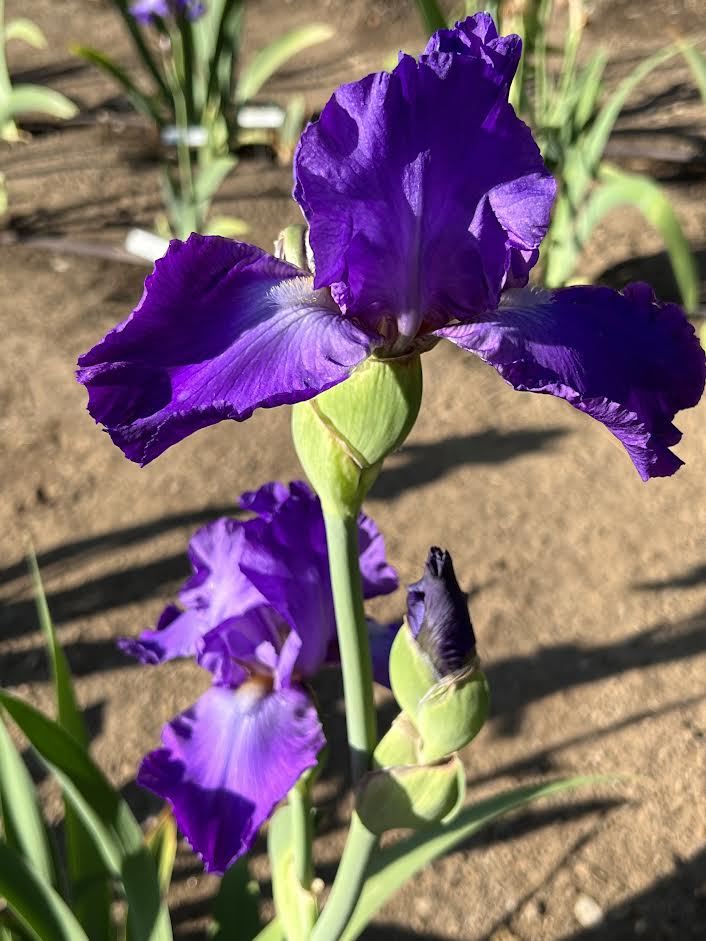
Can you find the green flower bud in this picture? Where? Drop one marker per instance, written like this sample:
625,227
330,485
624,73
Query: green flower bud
411,796
453,713
434,670
343,435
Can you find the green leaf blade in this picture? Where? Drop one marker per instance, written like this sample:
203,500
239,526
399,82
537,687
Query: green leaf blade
35,99
117,834
432,16
22,820
38,907
141,103
88,872
393,866
25,31
620,188
273,56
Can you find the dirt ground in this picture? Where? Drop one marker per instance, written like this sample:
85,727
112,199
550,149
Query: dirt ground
588,587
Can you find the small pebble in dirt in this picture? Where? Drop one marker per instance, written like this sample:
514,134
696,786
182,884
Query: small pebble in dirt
423,906
587,911
59,264
503,934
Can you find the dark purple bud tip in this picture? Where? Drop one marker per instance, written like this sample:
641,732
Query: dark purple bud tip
437,612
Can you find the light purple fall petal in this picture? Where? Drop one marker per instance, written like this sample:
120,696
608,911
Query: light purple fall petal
625,359
229,760
177,634
222,328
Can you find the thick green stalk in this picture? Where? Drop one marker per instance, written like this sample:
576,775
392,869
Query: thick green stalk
302,832
348,884
356,665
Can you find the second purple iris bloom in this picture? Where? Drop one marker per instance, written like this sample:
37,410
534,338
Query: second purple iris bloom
258,614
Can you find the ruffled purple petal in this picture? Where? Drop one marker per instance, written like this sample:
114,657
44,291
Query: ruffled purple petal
245,645
266,500
477,36
217,590
424,193
378,576
625,359
218,587
228,760
286,558
223,328
177,634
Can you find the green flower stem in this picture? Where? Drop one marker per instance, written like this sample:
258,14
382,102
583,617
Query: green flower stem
356,665
348,884
187,221
302,831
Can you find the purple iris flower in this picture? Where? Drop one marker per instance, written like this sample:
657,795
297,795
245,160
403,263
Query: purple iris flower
258,614
427,200
145,11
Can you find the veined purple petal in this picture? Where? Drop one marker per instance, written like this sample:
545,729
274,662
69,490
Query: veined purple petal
477,36
625,359
437,613
234,649
218,586
228,760
286,558
216,591
223,328
424,192
177,634
266,500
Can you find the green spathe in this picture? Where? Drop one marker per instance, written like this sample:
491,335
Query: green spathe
343,435
411,672
453,713
411,796
447,712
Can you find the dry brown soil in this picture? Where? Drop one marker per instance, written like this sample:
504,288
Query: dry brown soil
588,587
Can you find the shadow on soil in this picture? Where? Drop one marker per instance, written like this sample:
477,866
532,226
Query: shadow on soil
673,909
420,464
655,269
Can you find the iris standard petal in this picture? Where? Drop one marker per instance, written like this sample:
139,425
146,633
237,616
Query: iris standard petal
286,558
423,191
478,36
623,358
223,328
228,760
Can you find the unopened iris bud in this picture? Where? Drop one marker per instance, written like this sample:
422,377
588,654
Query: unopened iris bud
411,796
434,670
343,435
